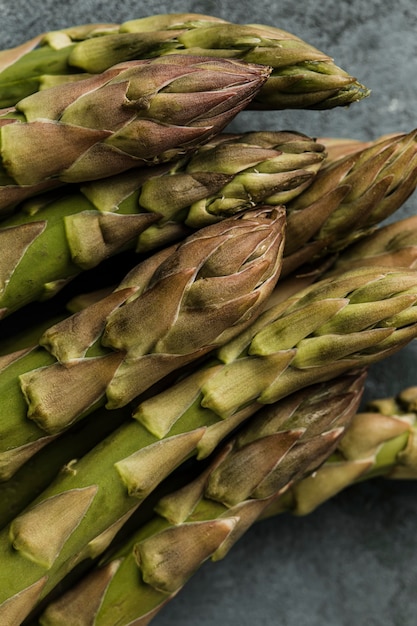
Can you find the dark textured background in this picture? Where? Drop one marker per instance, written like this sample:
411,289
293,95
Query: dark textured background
354,561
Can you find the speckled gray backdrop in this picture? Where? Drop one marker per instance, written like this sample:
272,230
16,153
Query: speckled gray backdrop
354,561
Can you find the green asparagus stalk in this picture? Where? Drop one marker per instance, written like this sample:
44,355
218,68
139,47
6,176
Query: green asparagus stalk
52,238
139,112
208,515
379,442
41,469
352,192
170,310
302,77
191,417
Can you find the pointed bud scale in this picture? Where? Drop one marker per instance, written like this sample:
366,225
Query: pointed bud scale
18,607
303,456
243,381
246,514
327,348
99,544
85,600
176,507
12,460
217,432
163,567
142,471
357,316
72,337
288,329
177,399
238,476
72,397
41,532
14,243
93,237
17,447
134,376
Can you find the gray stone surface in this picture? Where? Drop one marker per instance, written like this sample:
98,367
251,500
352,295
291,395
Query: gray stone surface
354,561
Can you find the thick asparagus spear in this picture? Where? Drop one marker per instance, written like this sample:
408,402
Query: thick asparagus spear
54,237
171,309
207,516
335,324
140,112
303,77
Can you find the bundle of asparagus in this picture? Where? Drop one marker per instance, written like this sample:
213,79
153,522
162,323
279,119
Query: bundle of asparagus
103,488
114,141
204,518
205,290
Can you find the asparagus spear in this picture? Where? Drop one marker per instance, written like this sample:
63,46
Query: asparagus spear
52,238
393,245
350,195
228,174
380,441
139,112
168,311
302,77
209,514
